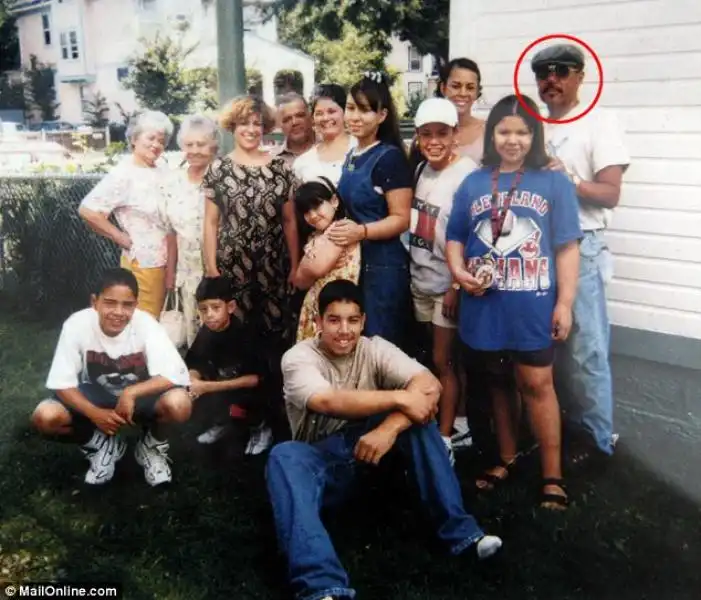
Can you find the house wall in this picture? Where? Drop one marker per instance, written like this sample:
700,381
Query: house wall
31,39
398,58
651,55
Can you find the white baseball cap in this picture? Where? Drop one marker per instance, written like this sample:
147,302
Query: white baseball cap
436,110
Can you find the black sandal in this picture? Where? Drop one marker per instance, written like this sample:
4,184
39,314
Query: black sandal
492,480
560,501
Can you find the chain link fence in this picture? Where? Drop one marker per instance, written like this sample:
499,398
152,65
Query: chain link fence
49,259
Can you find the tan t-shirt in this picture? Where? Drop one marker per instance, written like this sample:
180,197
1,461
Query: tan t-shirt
375,364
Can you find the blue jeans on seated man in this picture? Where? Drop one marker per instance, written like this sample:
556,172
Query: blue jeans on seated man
585,370
302,478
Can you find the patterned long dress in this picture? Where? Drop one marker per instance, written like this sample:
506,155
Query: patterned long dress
251,247
183,210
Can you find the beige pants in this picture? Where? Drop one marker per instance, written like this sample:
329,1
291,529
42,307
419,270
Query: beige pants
152,286
189,307
429,309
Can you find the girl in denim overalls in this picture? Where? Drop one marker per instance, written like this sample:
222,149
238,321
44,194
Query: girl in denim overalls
376,186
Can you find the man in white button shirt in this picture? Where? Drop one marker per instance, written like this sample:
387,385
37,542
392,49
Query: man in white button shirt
593,152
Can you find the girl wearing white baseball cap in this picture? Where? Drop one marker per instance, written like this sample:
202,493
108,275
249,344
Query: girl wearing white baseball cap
438,176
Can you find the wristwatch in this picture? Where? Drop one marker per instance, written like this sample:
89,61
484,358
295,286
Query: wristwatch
576,179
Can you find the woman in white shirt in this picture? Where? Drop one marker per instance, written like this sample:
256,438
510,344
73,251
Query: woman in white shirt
326,158
183,211
133,191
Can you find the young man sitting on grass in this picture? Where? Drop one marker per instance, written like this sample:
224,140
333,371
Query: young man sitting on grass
350,400
225,366
115,366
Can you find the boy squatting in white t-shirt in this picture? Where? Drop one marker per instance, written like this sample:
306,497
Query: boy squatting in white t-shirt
115,366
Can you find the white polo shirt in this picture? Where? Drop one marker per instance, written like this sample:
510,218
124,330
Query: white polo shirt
586,146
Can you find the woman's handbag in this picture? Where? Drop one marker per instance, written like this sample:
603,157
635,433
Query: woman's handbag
173,320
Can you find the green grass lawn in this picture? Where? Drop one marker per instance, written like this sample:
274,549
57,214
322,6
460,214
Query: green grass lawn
208,535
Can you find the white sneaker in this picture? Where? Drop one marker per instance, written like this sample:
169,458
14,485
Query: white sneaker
152,455
261,439
449,447
103,451
462,438
212,435
488,546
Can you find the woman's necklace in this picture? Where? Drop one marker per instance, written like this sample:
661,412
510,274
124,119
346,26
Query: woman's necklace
354,153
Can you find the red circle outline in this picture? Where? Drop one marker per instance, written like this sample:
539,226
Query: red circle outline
598,66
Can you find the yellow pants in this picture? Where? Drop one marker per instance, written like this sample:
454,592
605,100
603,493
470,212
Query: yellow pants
152,286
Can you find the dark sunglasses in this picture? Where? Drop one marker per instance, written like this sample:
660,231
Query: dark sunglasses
561,71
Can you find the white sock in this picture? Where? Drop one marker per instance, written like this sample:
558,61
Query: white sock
488,546
460,424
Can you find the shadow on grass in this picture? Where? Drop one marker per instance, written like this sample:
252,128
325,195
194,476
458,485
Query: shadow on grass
208,535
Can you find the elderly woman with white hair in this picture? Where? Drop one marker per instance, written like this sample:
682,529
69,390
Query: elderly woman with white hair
183,211
133,192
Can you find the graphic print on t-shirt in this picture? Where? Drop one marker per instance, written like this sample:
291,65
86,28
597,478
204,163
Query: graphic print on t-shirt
423,224
115,374
519,264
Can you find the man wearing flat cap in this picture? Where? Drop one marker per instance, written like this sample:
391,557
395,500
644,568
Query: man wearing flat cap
594,155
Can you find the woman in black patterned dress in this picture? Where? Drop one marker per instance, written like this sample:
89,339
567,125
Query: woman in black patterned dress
250,232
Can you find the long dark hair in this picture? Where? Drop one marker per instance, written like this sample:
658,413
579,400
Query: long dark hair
376,96
311,195
537,157
458,63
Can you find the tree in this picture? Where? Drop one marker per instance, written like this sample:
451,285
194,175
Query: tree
423,23
9,42
288,80
12,94
158,76
345,59
96,111
40,89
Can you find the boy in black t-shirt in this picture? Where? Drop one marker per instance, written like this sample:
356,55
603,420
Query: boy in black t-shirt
226,367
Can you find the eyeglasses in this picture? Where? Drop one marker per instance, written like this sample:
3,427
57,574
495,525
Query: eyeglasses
561,71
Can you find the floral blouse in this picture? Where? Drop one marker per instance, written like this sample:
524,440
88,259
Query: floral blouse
183,213
134,195
347,267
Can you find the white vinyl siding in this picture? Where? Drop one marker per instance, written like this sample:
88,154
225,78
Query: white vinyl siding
651,56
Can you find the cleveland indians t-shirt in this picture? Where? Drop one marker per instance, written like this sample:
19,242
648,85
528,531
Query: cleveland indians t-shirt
84,354
517,313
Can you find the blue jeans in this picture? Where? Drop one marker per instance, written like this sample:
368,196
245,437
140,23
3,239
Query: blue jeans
387,298
302,478
586,371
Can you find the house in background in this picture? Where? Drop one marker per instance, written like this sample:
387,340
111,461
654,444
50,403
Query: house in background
89,42
418,74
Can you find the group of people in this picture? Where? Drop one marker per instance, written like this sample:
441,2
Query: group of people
312,279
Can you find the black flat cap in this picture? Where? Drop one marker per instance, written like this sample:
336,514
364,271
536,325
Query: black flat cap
559,54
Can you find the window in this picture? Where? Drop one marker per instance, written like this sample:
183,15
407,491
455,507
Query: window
122,73
414,60
416,89
46,28
148,4
69,45
435,67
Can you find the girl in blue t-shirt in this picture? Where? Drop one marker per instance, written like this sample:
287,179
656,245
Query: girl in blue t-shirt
513,249
376,185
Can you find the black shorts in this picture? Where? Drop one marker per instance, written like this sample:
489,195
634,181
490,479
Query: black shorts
500,360
144,408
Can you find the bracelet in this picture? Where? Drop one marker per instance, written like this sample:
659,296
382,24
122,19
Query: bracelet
365,231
